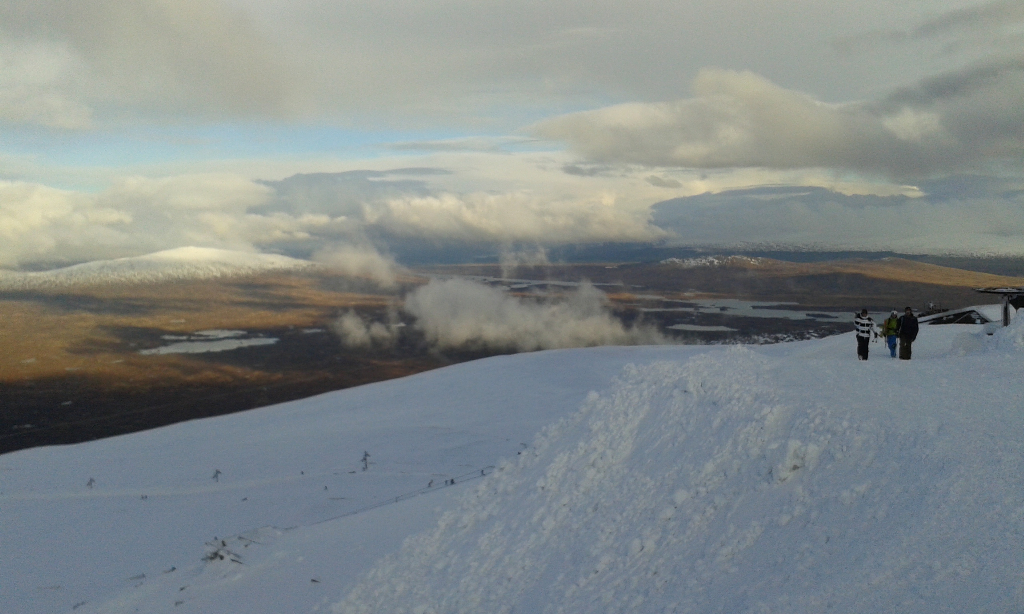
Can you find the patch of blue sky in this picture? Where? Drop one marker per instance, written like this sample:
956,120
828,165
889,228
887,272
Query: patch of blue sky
152,145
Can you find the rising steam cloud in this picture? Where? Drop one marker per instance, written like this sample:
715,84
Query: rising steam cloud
357,333
458,313
511,260
360,262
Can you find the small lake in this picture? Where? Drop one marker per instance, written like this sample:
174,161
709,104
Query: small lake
205,341
750,309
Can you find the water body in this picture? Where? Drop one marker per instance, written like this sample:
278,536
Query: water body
702,329
749,309
205,341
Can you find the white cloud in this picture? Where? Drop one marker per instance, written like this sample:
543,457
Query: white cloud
36,221
33,80
142,215
988,222
355,332
914,126
350,219
511,217
511,259
335,216
463,314
481,198
417,63
363,262
986,26
738,119
200,57
192,193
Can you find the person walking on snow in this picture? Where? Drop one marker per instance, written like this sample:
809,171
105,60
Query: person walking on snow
907,332
889,328
865,329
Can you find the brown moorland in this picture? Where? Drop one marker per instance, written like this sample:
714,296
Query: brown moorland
71,368
848,284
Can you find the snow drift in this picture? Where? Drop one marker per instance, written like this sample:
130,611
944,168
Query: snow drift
716,486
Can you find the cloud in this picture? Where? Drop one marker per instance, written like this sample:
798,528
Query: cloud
456,207
410,211
201,57
37,222
414,63
990,23
986,17
527,200
140,215
738,119
356,333
510,217
479,144
965,215
964,118
33,76
511,259
365,262
325,214
345,193
463,314
191,193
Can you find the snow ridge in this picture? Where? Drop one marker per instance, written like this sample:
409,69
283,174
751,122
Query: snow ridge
635,487
703,486
183,263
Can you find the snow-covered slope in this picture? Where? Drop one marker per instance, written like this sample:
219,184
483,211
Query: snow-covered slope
788,478
169,265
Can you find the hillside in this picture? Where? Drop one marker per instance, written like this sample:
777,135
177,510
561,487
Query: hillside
841,284
784,478
183,263
84,360
87,347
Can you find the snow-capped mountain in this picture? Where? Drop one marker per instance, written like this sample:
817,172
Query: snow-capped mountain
169,265
787,478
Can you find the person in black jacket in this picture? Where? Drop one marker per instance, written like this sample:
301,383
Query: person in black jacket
906,330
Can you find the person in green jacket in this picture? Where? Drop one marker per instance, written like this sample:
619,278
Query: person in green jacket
889,332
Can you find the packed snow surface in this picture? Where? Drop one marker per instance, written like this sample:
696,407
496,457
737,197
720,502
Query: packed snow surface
169,265
789,478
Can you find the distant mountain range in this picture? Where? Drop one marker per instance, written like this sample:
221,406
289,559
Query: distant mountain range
169,265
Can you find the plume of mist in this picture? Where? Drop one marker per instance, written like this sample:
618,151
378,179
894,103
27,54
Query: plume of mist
460,313
359,262
355,332
511,260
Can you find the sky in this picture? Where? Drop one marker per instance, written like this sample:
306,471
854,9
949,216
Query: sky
308,127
